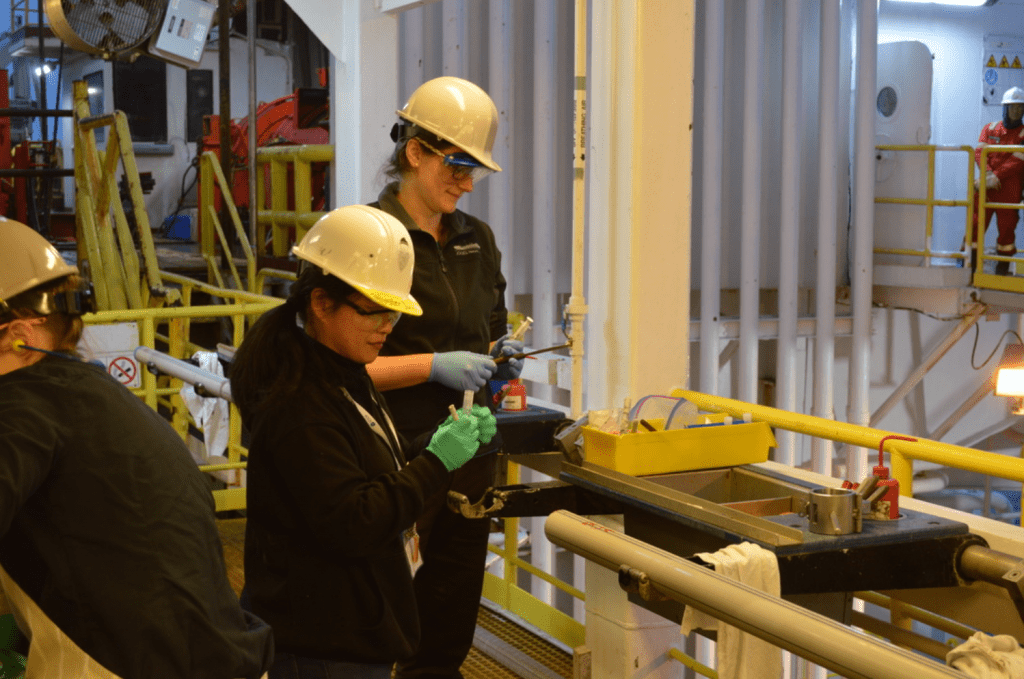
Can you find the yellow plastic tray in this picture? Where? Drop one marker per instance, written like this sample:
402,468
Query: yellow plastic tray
664,452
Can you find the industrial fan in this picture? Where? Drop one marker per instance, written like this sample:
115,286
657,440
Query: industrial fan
105,27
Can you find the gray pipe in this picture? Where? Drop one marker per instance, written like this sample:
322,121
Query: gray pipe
213,385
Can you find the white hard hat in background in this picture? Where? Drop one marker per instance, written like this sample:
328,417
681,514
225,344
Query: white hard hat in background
457,111
1014,95
368,249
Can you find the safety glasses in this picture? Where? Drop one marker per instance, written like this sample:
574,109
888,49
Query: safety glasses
462,165
382,315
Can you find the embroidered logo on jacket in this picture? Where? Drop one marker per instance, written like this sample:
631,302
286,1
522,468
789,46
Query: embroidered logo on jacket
470,249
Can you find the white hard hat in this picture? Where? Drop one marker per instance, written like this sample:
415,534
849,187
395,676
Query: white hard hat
1014,95
457,111
28,260
368,249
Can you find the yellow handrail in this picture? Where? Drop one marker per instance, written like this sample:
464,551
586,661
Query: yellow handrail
902,453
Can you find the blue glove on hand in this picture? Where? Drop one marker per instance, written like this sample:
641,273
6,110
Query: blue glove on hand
485,422
461,370
456,441
512,368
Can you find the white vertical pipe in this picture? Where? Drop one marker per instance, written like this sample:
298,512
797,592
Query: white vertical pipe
543,312
750,253
577,308
824,354
500,85
864,228
454,60
789,236
711,211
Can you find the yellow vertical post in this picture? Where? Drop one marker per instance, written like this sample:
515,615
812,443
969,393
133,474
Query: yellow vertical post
176,349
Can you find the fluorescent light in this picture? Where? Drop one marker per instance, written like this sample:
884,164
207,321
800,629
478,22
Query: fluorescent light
45,68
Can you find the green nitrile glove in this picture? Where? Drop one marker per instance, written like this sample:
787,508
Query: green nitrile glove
456,441
485,421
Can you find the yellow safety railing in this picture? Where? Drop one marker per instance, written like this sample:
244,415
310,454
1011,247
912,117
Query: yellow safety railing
506,592
930,201
986,280
113,265
902,453
210,229
164,391
287,225
973,203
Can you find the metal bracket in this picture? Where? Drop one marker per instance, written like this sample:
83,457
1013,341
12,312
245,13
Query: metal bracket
634,581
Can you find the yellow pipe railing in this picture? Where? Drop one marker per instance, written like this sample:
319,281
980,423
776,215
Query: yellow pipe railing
902,453
974,203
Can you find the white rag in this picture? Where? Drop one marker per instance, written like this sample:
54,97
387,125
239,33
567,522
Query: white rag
210,413
741,655
987,657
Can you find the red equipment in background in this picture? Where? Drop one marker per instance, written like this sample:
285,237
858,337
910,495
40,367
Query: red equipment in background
294,119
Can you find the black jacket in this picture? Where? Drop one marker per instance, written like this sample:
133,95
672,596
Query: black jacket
325,564
462,292
107,524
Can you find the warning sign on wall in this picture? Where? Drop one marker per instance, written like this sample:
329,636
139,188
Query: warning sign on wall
1001,69
114,346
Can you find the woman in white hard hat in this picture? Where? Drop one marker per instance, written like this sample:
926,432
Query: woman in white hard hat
443,144
110,555
332,497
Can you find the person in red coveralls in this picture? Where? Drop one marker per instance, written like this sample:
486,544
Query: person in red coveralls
1003,176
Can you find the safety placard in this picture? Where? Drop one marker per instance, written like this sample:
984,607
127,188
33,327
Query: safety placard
124,369
1001,69
114,346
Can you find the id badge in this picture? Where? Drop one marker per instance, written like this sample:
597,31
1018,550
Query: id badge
412,549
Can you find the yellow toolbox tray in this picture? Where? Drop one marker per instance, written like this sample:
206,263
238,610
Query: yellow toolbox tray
677,450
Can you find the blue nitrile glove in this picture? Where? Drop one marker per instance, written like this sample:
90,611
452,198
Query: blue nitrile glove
461,370
456,441
485,422
511,369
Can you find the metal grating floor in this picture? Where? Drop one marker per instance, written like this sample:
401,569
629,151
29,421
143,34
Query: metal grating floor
520,653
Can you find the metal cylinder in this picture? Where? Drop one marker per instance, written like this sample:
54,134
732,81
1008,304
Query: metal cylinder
833,511
797,629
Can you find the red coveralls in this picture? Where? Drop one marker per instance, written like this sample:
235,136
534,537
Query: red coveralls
1009,167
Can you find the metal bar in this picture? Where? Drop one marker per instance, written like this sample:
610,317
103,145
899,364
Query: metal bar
41,172
862,271
927,617
215,385
750,211
927,450
828,157
794,628
711,209
36,112
789,238
898,635
965,324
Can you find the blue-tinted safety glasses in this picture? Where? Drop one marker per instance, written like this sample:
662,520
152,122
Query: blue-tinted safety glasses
462,165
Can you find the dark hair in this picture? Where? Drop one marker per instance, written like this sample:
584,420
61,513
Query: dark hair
397,163
275,353
65,328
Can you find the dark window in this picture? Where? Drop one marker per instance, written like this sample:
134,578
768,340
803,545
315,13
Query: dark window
94,85
198,101
140,90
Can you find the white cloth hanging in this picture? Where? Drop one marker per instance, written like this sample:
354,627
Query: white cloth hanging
210,413
741,655
988,657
